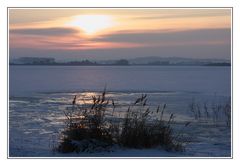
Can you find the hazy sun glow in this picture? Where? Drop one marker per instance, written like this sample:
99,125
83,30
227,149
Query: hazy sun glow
119,33
91,24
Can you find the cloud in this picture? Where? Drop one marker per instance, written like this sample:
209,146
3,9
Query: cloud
170,36
25,16
183,13
45,31
195,51
204,43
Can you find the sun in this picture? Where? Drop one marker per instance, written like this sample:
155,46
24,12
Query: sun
92,24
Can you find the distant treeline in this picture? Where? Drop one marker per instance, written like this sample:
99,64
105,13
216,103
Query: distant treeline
46,61
218,64
121,62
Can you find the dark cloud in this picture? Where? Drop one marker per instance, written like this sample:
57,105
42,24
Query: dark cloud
195,51
186,49
169,36
44,31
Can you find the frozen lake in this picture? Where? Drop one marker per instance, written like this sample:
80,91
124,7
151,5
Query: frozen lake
39,94
26,80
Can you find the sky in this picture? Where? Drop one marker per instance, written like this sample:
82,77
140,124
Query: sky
116,33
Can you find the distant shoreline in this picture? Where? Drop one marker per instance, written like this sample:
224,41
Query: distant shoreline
214,65
30,61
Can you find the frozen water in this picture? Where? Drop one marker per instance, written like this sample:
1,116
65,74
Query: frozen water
31,79
39,94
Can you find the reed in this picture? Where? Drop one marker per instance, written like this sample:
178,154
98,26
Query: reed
92,128
214,112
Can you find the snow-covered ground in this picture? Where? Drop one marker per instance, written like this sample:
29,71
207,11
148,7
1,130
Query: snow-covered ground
36,124
38,96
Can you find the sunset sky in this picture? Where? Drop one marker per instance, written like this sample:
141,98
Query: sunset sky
101,34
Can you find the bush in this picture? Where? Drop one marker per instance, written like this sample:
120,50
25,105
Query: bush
141,131
91,128
87,124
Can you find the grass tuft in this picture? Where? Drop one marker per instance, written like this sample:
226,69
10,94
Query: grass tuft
215,112
94,127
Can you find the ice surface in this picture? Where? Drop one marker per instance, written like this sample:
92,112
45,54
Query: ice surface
38,96
30,79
